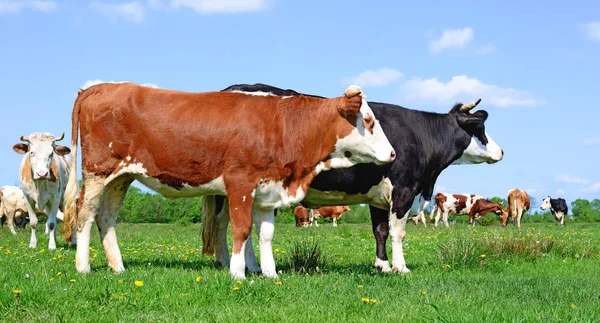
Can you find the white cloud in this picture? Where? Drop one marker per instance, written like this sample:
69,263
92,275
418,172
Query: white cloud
15,6
560,191
90,83
572,180
462,88
380,77
591,141
486,49
532,190
133,11
221,6
452,39
593,188
591,30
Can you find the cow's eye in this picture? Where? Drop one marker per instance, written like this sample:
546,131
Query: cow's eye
32,153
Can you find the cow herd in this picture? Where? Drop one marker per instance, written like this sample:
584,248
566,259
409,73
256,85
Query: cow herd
249,150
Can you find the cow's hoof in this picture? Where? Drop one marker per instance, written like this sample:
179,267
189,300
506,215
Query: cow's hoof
402,270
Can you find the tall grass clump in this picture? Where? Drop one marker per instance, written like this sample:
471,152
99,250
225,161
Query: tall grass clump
460,252
306,256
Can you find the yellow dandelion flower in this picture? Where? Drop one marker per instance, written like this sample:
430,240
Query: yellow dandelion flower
277,283
373,301
239,282
446,266
138,283
58,273
198,279
482,255
51,279
120,281
365,299
423,292
360,286
236,288
72,280
17,292
276,250
573,306
564,260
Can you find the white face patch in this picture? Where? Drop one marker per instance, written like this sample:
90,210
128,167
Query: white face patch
362,146
545,204
477,152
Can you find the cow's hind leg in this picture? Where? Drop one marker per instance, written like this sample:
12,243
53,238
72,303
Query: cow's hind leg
106,219
51,228
221,248
92,189
335,222
10,221
33,222
381,231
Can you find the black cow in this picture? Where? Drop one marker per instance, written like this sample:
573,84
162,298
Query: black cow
425,143
558,207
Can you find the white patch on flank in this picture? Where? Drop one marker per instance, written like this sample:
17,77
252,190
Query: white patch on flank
244,198
110,144
477,152
378,196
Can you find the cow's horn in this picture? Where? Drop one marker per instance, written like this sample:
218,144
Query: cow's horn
470,106
23,138
60,138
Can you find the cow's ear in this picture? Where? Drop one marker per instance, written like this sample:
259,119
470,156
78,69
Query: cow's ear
62,150
476,118
350,106
21,148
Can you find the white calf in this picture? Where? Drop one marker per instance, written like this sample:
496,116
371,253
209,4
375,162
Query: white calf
12,205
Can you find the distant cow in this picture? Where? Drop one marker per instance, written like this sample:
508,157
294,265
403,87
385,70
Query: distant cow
518,204
558,207
481,207
12,206
44,175
455,203
261,151
302,217
334,212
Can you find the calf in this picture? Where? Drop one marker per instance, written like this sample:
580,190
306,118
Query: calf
429,143
302,216
12,206
455,203
481,207
262,151
518,204
44,174
558,207
334,212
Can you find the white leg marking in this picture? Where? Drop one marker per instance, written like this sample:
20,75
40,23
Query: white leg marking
397,232
237,269
265,228
82,256
334,222
383,265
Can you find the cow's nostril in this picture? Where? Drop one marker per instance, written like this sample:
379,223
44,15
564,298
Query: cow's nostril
393,155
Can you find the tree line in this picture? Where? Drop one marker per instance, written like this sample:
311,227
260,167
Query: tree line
144,207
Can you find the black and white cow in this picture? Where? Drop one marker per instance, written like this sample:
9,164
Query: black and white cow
425,143
558,207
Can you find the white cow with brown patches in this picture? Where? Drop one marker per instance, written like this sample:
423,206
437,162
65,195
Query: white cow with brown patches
44,175
12,205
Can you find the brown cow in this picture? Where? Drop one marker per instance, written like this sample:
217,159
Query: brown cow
334,212
302,217
262,151
482,207
518,203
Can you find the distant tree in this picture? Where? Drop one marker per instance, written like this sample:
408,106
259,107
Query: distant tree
533,204
499,200
582,208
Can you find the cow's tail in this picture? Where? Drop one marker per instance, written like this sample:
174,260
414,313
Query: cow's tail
72,190
209,224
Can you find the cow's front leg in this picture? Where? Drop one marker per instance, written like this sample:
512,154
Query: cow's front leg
401,202
264,221
381,231
240,215
33,222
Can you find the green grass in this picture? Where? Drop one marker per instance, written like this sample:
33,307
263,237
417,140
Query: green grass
539,273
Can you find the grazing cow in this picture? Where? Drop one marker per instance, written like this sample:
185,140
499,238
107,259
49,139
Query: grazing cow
428,142
455,203
44,173
12,206
481,207
420,217
518,204
558,207
302,216
334,212
262,151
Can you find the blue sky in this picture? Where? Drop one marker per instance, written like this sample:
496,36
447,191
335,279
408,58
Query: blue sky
535,67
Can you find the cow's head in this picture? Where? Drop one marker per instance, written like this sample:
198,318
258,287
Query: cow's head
504,216
546,204
346,208
366,142
40,148
481,149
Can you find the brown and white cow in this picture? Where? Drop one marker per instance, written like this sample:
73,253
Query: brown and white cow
518,204
334,212
44,175
12,206
262,151
303,219
455,203
481,207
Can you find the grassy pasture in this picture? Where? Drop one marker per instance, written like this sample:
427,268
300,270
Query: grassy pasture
539,273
